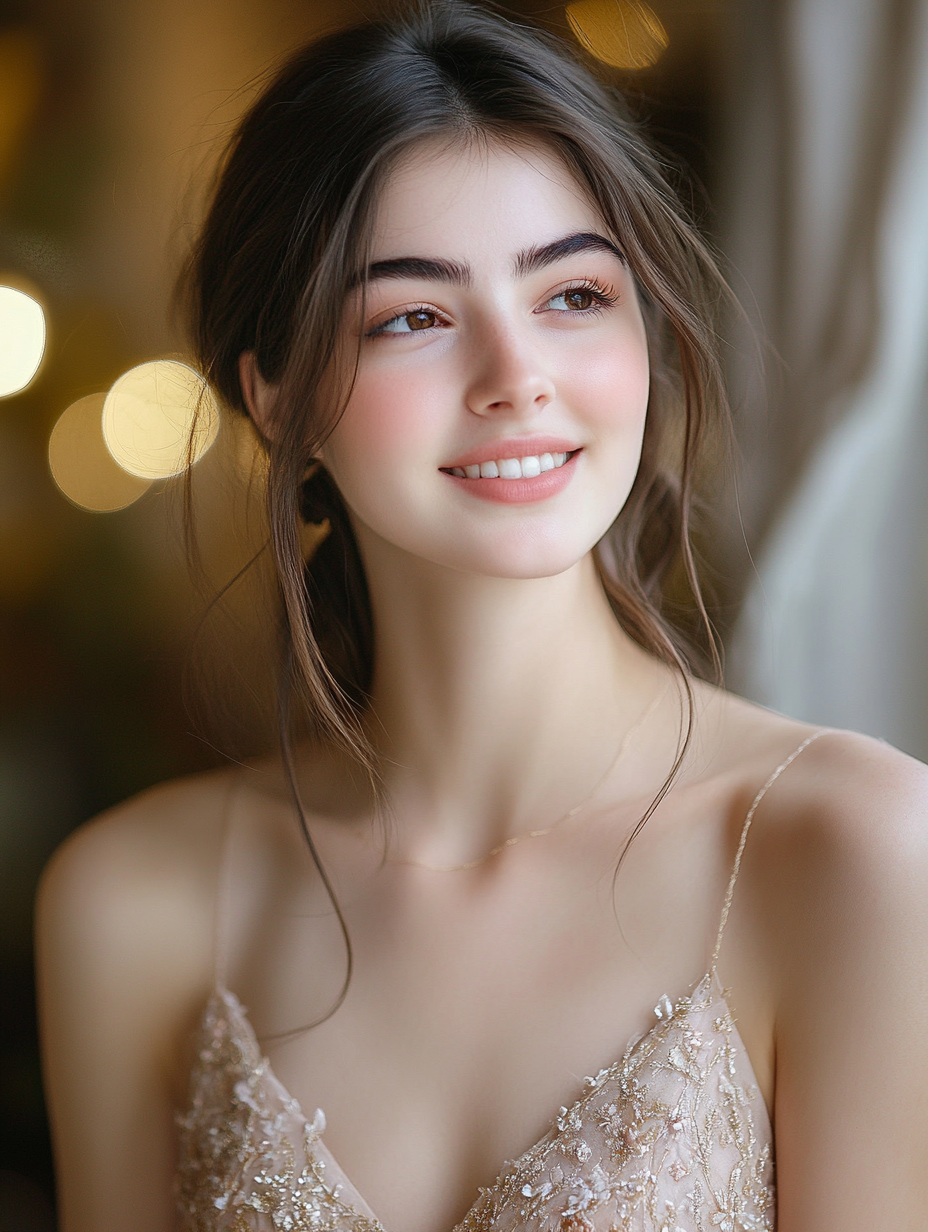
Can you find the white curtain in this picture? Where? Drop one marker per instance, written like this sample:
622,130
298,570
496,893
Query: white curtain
835,626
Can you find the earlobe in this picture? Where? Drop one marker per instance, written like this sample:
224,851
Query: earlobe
259,396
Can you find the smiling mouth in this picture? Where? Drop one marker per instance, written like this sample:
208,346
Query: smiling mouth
512,468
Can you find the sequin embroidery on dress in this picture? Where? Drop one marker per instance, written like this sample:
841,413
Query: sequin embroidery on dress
673,1137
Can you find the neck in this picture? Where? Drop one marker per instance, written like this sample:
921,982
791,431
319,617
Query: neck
498,703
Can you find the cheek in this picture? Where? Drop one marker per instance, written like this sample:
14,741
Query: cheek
388,418
612,386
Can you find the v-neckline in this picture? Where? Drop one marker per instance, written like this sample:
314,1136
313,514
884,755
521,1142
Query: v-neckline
665,1010
708,989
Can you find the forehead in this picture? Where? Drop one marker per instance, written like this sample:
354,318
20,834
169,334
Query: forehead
478,200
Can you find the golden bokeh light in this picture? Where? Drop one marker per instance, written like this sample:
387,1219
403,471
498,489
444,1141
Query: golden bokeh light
158,418
621,33
22,340
81,464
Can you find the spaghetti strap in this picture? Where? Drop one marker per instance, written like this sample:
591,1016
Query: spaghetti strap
223,890
755,804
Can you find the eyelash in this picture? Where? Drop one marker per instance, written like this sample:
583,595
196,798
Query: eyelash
380,330
602,298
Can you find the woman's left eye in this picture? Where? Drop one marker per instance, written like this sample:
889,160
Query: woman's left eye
581,299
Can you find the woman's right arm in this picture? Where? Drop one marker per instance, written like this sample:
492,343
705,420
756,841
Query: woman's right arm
124,948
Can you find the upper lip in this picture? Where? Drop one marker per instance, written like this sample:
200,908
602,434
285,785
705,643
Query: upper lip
512,447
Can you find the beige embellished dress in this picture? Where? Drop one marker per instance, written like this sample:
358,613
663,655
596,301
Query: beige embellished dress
673,1137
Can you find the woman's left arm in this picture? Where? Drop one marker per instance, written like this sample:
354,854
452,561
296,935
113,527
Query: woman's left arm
850,871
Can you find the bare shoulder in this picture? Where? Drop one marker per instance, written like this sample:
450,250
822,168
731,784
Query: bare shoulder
843,795
829,961
124,934
852,786
125,908
838,855
156,851
851,820
863,788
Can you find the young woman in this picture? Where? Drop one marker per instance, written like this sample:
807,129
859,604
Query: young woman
448,282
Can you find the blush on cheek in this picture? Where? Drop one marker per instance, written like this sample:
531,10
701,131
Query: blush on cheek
615,387
384,419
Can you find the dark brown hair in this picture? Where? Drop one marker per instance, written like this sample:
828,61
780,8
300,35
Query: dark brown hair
288,233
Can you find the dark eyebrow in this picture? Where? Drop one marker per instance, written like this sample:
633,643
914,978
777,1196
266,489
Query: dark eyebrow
436,269
431,268
531,259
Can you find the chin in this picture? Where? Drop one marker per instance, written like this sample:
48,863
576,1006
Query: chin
520,548
519,557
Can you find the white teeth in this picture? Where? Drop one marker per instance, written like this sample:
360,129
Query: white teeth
512,468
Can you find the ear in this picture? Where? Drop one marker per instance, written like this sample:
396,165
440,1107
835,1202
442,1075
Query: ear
259,396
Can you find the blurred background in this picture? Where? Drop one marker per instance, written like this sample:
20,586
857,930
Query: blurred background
800,131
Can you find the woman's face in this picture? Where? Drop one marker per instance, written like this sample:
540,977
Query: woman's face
495,424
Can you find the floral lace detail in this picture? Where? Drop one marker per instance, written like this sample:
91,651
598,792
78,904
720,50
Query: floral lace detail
248,1160
668,1139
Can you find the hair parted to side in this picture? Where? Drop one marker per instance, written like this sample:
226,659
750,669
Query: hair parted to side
288,235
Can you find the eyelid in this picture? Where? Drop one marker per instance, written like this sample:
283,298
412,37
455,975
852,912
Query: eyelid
394,314
607,295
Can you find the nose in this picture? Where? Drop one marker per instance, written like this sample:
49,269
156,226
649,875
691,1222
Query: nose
509,375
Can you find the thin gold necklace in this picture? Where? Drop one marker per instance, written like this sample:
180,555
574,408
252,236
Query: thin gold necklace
521,838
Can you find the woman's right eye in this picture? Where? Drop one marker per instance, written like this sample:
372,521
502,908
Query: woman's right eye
409,322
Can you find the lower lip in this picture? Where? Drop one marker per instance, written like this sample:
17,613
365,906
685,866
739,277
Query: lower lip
520,491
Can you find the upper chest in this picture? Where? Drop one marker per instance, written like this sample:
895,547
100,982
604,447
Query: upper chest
672,1134
476,1004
